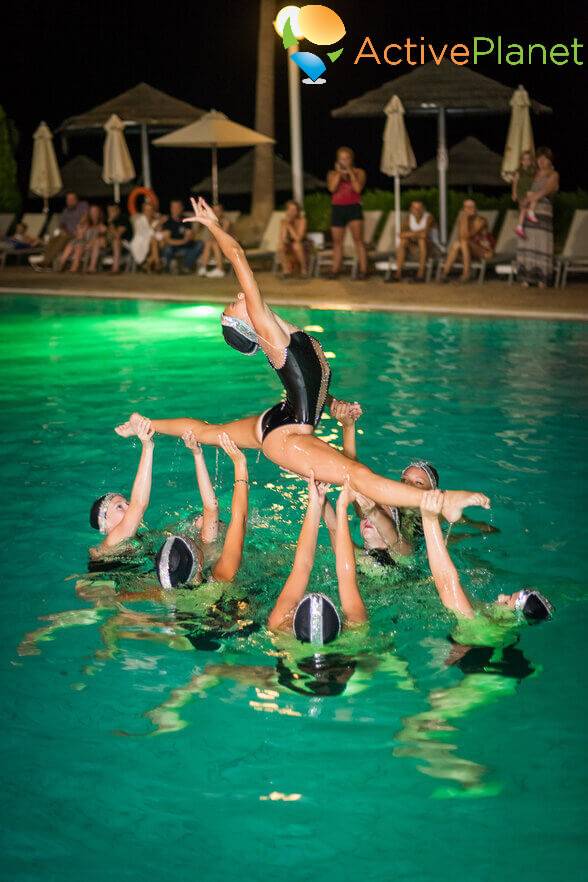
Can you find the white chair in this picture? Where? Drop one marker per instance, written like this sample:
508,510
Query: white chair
5,223
268,247
35,222
371,220
504,260
574,257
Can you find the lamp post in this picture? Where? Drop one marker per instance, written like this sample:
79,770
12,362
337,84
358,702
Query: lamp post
291,12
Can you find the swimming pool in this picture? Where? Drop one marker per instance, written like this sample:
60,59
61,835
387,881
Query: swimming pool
125,758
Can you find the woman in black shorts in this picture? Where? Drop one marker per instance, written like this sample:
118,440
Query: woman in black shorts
345,183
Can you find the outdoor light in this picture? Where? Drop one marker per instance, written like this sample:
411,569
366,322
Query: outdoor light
292,13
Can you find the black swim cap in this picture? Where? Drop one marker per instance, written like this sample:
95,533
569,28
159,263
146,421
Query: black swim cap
316,620
239,335
382,557
533,605
177,562
98,511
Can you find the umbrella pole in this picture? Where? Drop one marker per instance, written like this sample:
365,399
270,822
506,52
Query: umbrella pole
45,205
145,157
442,172
214,174
397,208
295,127
116,192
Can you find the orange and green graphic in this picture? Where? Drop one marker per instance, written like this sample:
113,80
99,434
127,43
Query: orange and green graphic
316,24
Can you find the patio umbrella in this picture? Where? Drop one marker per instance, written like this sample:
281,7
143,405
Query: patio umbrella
143,109
118,166
438,91
236,179
84,176
398,158
45,178
471,163
520,133
212,131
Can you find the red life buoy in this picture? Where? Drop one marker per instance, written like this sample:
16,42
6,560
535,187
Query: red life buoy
147,192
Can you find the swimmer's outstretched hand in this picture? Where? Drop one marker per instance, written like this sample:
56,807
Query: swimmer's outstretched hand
145,431
432,503
317,491
346,496
203,213
192,442
456,500
346,412
231,449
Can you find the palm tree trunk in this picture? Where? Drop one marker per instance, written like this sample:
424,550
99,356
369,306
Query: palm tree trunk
262,202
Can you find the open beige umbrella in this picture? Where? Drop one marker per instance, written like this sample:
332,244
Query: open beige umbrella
398,159
520,133
212,131
45,178
118,166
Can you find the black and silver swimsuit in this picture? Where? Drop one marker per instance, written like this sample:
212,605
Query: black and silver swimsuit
305,376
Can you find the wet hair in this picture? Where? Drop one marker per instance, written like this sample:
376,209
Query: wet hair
177,562
544,151
382,557
316,620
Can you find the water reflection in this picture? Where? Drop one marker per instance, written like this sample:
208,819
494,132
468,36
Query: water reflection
490,674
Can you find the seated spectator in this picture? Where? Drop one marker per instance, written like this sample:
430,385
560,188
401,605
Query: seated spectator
75,210
147,237
211,247
415,240
75,247
473,240
178,241
292,241
118,231
20,239
96,237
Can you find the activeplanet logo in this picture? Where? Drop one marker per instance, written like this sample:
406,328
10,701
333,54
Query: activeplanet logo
316,24
494,49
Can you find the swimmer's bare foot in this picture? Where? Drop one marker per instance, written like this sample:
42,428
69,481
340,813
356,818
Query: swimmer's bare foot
456,500
125,430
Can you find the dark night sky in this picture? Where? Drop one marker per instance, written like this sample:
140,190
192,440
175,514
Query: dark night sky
64,58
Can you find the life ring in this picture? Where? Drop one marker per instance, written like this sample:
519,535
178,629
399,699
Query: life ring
147,192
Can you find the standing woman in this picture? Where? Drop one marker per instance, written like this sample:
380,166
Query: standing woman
535,252
346,183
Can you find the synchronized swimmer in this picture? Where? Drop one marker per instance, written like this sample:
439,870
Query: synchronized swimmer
285,435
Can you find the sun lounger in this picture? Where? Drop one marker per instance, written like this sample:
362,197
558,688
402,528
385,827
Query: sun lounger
574,257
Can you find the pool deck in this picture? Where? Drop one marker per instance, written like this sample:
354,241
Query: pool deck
490,299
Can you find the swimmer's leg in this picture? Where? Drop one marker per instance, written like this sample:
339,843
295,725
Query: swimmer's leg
302,453
243,432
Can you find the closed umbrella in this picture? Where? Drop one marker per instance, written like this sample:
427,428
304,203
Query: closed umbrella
520,133
118,166
45,178
212,131
398,159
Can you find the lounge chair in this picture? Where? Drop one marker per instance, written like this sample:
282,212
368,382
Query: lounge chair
574,257
6,221
491,216
503,262
34,223
268,247
371,220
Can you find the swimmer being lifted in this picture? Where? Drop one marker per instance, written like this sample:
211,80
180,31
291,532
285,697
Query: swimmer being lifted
285,432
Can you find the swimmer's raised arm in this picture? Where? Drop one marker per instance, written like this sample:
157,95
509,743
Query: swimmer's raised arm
446,578
141,491
209,530
229,562
263,319
351,601
297,582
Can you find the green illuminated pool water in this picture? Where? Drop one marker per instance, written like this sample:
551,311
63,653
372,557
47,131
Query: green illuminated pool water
421,769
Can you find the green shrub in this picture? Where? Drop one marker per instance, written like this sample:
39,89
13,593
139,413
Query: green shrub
318,206
10,200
